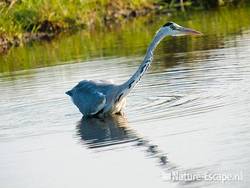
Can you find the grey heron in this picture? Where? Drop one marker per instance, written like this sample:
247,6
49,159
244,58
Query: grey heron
99,98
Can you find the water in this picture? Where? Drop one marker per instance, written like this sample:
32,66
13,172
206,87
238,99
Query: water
189,114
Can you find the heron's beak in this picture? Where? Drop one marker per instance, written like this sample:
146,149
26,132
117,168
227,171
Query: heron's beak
188,31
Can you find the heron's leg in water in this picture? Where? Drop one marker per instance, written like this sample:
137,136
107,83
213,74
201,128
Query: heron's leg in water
120,107
120,113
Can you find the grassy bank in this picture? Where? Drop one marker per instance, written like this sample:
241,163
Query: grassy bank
25,20
22,21
131,39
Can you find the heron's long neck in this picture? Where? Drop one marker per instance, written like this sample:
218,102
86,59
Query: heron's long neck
130,84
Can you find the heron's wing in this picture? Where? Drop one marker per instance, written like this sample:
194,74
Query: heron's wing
88,99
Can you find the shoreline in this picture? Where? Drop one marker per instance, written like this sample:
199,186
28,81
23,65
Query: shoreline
46,30
99,15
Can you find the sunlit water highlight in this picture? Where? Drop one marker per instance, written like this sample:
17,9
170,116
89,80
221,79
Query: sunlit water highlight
190,114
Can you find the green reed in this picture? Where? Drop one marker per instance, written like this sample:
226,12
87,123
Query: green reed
130,39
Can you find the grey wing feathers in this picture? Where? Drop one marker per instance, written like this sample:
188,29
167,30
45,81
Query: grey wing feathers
87,98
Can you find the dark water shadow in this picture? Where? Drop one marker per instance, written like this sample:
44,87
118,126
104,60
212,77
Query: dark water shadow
114,130
104,132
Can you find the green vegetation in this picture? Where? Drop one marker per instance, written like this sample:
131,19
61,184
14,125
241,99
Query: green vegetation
131,39
30,15
25,20
201,4
20,19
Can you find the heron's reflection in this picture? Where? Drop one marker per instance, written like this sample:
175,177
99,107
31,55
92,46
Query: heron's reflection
108,131
113,130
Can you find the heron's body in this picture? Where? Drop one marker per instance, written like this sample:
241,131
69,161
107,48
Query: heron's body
98,98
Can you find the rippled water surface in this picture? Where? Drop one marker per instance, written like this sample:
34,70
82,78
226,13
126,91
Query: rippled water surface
190,113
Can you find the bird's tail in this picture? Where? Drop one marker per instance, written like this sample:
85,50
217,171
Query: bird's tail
69,93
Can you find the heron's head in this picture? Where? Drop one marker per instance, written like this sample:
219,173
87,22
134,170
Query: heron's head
173,29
